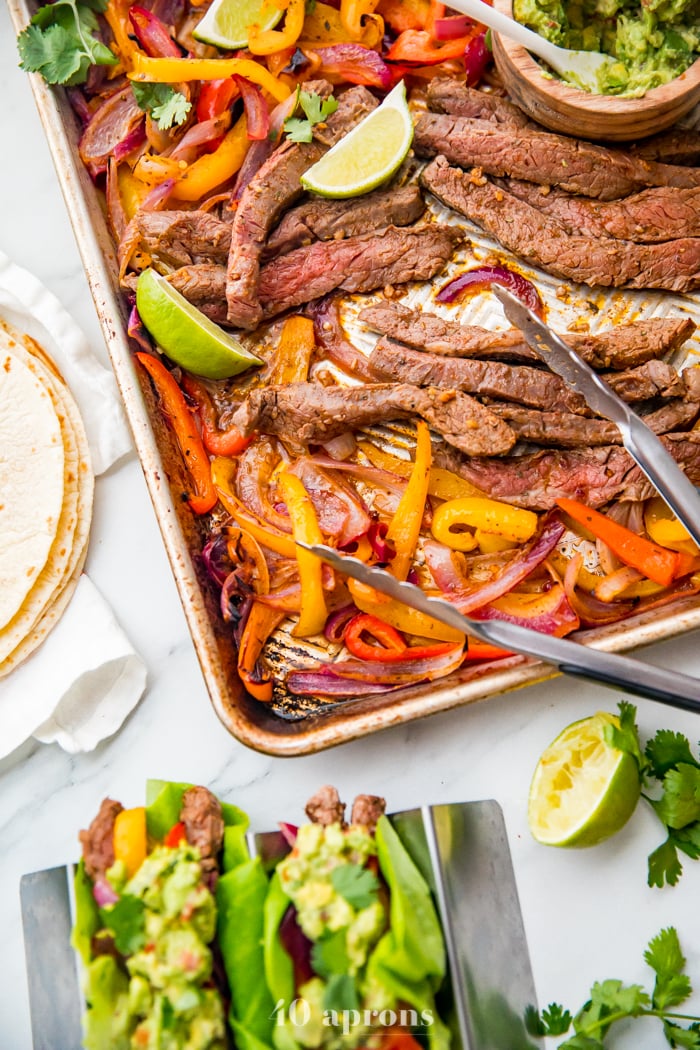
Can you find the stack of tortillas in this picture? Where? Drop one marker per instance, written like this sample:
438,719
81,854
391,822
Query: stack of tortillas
46,492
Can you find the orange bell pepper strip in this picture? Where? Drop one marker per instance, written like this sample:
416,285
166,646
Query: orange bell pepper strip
218,442
404,619
324,25
655,562
417,46
222,473
351,14
269,41
392,647
186,434
305,527
404,14
261,622
179,70
293,355
213,169
477,650
129,838
404,528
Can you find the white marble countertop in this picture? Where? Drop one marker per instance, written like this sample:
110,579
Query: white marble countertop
588,914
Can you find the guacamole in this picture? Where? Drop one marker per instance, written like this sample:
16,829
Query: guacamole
653,41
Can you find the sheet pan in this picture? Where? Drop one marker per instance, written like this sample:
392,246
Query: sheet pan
290,726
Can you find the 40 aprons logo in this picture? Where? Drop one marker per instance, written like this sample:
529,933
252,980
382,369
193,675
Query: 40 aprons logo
298,1013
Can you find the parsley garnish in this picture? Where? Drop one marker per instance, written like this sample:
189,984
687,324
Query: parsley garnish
316,110
613,1001
59,42
166,105
127,921
358,886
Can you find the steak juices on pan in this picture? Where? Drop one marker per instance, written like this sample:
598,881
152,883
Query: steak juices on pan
327,441
186,939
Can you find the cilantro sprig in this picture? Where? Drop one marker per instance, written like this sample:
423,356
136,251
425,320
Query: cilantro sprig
316,110
612,1001
358,886
165,105
61,44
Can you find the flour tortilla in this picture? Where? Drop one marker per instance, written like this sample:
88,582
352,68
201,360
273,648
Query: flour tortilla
53,589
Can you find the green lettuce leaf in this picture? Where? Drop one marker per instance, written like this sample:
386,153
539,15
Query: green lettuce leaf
279,971
87,916
163,805
107,1022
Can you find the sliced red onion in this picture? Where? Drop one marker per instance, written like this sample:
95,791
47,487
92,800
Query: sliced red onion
255,466
200,135
337,622
401,672
103,892
613,584
137,331
483,277
591,611
355,64
376,534
256,111
289,832
297,946
477,58
341,514
170,12
235,588
322,683
115,130
134,140
152,34
559,620
115,209
452,27
371,475
79,102
157,198
330,335
444,567
342,446
260,151
215,558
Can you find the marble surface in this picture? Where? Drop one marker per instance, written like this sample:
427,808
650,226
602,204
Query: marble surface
588,914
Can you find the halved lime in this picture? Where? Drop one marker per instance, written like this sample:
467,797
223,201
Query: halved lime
226,23
189,338
369,154
583,790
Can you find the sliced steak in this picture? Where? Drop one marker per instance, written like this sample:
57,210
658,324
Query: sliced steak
526,386
312,414
656,379
566,430
205,287
269,193
621,347
181,238
675,146
357,264
553,160
325,807
367,809
445,95
326,220
659,214
204,825
543,241
594,475
98,840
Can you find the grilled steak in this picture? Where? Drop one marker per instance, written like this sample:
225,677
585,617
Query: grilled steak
650,217
98,840
181,238
367,809
594,475
205,287
675,146
537,156
326,220
522,229
446,95
622,347
525,386
204,825
269,193
312,414
357,264
656,379
325,807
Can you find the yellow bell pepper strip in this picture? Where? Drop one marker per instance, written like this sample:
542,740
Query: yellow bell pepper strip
212,169
655,562
130,839
314,613
187,436
441,483
323,25
117,17
488,515
404,528
352,13
490,543
179,70
222,472
268,41
664,528
293,355
261,622
400,616
404,14
132,190
242,547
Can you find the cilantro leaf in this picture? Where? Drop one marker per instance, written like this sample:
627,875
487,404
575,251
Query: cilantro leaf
358,886
341,993
664,867
688,840
608,1000
127,921
626,737
666,959
165,105
581,1042
298,130
680,803
329,955
666,750
59,43
315,109
554,1020
689,1038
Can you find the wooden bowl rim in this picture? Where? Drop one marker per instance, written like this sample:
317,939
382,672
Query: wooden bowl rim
655,98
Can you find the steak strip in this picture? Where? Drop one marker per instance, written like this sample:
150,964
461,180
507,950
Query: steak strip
312,414
98,840
446,95
357,264
180,238
325,807
522,229
621,347
659,214
204,825
327,220
594,475
269,193
675,146
543,157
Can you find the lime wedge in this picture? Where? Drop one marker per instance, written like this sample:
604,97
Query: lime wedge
583,790
226,23
189,338
369,154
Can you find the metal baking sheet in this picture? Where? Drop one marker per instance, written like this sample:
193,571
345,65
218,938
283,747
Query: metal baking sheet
302,726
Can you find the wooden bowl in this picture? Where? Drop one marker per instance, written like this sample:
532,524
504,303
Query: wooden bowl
574,112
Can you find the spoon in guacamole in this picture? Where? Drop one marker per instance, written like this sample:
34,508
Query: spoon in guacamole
586,69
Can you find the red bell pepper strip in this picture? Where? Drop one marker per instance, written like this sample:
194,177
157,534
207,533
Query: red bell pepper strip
186,434
655,562
218,442
175,835
392,647
483,651
417,47
215,97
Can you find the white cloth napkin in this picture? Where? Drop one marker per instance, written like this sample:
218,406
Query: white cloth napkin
80,685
